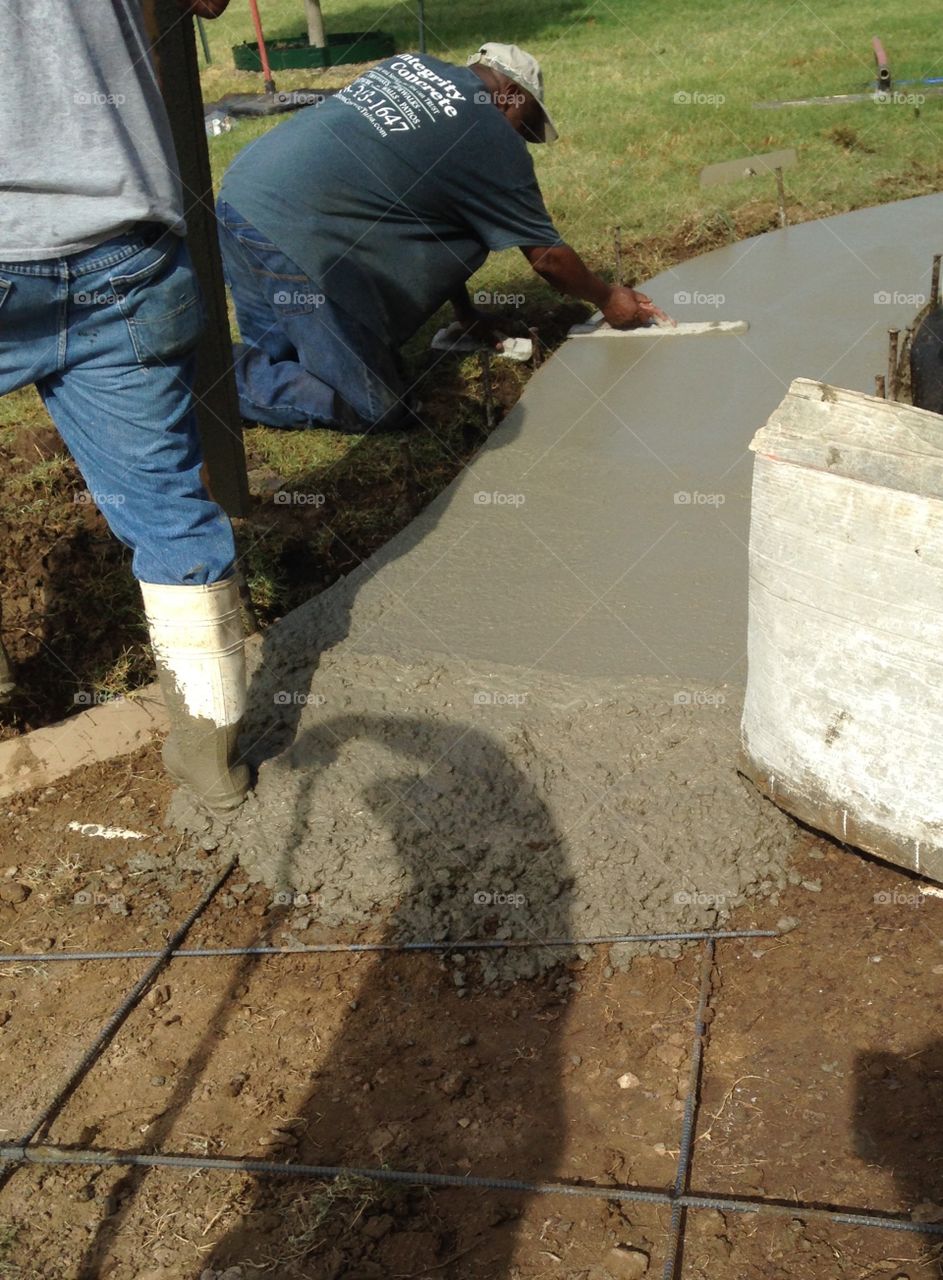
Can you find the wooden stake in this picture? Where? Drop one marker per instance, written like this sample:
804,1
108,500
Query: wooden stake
893,340
217,407
880,387
781,192
617,239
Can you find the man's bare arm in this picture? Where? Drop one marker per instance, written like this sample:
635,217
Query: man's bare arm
564,269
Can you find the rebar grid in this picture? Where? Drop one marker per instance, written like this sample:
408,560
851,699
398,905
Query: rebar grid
679,1199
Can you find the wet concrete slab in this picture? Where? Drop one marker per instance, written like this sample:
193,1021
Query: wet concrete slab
534,688
603,529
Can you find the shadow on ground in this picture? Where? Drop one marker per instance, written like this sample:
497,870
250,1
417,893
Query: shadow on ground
899,1126
373,1100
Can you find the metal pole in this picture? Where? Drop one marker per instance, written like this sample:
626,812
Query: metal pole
883,67
422,26
207,56
267,81
316,35
489,395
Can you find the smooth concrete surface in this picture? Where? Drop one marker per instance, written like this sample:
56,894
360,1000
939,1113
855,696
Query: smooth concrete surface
603,529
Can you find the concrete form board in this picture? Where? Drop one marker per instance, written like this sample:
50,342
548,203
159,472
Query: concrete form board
844,705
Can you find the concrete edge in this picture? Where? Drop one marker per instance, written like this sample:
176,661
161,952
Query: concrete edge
104,732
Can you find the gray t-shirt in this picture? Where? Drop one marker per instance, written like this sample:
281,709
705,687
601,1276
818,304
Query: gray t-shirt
85,144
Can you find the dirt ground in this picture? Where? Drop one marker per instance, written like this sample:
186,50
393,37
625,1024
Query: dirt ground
823,1077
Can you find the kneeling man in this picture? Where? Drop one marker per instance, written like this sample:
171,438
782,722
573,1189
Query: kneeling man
346,228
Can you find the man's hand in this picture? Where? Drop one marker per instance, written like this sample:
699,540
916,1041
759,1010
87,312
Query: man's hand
203,8
564,269
626,309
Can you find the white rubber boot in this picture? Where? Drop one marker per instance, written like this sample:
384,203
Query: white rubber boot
198,643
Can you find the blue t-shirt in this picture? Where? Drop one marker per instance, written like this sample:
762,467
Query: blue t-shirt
390,194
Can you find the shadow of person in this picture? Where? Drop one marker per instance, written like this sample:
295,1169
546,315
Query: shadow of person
898,1121
444,1064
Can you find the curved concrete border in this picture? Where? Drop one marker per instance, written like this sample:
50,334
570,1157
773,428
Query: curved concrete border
113,729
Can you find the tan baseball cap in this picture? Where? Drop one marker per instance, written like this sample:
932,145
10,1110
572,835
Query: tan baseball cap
523,70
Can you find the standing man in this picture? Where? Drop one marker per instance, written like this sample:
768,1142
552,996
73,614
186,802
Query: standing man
345,229
100,308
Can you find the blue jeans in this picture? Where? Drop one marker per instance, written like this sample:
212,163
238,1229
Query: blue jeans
108,336
303,361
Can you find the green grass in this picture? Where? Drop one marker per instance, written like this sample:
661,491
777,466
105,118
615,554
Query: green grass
629,154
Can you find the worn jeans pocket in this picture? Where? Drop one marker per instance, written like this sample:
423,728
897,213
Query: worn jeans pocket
160,300
286,286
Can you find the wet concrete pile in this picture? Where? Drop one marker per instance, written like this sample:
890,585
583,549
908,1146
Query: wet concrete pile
480,804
